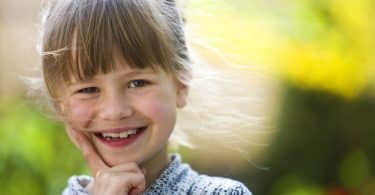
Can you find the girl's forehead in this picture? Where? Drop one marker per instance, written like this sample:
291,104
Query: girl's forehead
125,72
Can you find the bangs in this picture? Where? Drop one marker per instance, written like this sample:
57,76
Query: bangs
81,37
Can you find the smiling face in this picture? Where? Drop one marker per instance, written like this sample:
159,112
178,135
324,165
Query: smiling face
128,114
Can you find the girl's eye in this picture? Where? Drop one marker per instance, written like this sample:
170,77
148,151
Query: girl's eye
89,90
138,83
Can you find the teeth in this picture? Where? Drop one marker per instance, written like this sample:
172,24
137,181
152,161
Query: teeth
124,134
110,135
132,132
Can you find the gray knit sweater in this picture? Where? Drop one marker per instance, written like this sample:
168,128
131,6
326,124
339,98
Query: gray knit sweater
177,179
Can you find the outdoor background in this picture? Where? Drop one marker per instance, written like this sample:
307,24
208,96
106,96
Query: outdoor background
312,59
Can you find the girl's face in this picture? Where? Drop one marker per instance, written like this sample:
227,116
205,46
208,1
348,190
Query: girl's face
127,114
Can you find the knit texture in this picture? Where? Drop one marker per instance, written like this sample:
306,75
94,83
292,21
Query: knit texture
178,179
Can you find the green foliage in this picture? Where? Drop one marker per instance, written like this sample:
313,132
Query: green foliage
291,185
36,156
324,142
355,169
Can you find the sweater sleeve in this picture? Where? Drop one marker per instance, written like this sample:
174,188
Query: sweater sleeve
239,189
77,185
218,186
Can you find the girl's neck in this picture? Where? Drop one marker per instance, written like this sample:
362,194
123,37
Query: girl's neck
155,166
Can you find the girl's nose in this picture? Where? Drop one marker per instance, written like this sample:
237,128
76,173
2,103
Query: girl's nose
115,107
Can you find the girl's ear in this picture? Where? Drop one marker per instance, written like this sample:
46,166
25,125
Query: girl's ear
181,96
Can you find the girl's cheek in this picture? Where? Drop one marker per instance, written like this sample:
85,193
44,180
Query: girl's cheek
80,113
157,107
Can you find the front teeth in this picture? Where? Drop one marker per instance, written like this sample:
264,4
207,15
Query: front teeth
110,135
124,134
132,131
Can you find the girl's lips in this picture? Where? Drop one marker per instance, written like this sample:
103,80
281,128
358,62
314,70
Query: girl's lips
117,130
120,142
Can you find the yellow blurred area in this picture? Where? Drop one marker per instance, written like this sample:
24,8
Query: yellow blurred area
325,45
243,38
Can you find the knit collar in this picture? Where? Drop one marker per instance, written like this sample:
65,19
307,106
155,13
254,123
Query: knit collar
171,178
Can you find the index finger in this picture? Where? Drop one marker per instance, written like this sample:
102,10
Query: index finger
91,156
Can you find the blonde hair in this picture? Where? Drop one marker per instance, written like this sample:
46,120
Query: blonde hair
77,41
79,36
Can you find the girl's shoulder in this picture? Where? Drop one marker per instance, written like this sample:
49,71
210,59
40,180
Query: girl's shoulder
218,185
179,178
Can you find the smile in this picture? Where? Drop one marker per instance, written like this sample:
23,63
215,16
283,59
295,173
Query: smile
120,137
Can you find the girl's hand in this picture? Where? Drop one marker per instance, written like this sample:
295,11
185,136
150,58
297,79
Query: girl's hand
122,179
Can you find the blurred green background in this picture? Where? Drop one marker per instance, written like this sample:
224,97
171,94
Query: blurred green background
320,54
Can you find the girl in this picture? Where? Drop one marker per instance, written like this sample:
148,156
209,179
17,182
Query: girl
116,72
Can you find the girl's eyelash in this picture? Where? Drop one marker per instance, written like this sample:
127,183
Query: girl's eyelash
89,90
132,84
138,83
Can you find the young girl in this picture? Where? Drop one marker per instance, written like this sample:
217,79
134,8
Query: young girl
116,72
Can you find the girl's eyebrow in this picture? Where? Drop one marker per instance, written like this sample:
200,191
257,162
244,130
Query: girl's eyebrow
134,72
